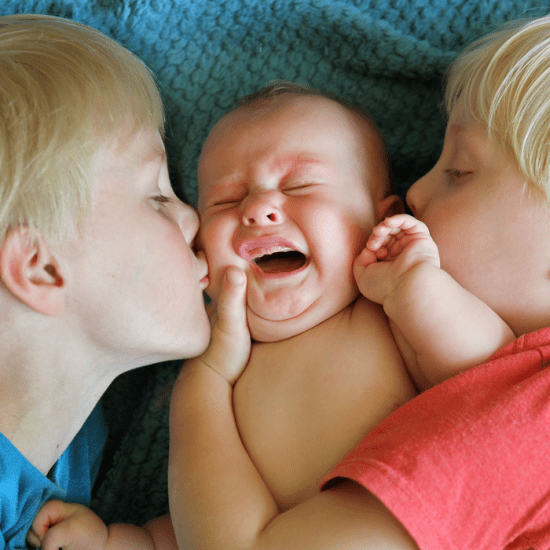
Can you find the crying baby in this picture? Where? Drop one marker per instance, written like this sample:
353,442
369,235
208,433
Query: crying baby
291,183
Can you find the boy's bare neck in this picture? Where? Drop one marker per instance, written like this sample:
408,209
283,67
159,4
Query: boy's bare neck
41,410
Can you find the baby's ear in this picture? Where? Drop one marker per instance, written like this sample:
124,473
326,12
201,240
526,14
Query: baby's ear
31,272
390,206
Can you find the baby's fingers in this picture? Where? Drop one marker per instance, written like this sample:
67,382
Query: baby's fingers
229,347
51,513
405,223
382,236
366,257
387,238
34,538
73,527
386,232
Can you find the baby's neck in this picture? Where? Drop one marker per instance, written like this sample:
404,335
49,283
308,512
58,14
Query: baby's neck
292,328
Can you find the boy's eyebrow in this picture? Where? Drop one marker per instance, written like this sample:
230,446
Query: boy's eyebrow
156,157
466,143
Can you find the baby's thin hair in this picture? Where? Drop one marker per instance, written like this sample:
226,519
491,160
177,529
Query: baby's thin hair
278,88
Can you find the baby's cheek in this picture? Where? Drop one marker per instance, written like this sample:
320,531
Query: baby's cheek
215,274
215,240
199,239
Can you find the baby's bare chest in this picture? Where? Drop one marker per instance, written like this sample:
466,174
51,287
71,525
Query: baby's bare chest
301,405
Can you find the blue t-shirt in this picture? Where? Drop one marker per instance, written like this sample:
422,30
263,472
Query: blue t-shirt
24,489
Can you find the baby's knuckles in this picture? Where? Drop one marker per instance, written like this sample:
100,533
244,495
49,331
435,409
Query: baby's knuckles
69,526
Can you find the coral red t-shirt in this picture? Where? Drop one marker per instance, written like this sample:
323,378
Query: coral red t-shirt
466,464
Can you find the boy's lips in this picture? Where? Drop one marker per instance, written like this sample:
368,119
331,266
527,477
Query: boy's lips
204,282
205,279
273,257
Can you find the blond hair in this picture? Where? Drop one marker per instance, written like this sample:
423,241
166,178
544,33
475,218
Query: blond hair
64,89
503,81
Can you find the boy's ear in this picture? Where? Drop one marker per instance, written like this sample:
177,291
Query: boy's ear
389,207
30,271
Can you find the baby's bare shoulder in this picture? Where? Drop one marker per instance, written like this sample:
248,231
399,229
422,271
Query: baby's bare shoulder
358,338
365,323
354,343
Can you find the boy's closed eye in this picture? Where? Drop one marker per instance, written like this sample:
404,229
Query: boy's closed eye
161,200
454,173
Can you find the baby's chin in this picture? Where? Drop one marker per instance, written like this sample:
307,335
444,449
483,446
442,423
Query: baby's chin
271,331
267,330
283,312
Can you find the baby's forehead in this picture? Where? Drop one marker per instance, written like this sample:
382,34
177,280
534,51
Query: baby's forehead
290,126
284,108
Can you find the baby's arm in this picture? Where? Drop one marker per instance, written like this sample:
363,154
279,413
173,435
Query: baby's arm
75,527
217,498
440,327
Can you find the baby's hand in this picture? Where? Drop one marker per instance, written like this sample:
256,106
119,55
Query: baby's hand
72,526
395,247
229,347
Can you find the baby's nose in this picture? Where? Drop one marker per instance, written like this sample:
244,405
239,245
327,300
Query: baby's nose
262,210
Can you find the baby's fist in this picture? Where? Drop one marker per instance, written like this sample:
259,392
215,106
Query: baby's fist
69,526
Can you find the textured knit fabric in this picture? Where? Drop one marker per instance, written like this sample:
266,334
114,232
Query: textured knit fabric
23,489
386,55
465,465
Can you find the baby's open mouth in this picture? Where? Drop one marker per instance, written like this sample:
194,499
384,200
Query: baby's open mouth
285,261
273,257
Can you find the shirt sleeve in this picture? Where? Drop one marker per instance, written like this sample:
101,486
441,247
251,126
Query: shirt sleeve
464,465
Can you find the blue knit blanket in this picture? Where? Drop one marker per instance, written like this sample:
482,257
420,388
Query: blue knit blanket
388,55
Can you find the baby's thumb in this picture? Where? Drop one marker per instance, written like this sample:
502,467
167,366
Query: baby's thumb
231,306
230,345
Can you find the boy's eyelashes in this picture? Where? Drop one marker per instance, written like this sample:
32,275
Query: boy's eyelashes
454,173
161,199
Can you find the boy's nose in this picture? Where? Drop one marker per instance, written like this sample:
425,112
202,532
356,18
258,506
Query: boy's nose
188,222
417,196
262,209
